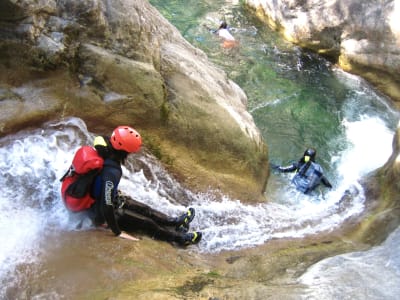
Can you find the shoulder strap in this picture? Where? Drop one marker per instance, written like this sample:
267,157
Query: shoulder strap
68,173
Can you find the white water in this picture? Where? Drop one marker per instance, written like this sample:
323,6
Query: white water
373,274
32,163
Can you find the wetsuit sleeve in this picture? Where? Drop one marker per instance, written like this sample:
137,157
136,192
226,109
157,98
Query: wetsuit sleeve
108,194
285,169
326,182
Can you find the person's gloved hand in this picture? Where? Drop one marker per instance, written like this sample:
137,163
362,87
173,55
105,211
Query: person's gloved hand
274,166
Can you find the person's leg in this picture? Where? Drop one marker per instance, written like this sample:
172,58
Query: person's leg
181,223
147,211
132,221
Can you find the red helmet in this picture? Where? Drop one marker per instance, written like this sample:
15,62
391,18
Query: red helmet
126,138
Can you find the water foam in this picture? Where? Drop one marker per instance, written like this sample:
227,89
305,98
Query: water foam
32,163
354,275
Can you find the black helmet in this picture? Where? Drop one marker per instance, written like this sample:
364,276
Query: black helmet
223,25
310,154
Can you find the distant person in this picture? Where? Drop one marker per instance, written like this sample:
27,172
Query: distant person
309,174
228,39
100,197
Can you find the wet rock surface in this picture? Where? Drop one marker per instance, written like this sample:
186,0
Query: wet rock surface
121,62
363,37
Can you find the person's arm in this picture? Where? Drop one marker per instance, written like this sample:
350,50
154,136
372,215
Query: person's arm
285,169
107,195
110,180
108,208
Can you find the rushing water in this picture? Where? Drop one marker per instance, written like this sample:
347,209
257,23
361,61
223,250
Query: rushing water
372,274
297,100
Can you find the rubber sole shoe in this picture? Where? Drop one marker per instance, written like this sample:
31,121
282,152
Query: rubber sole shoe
184,220
192,238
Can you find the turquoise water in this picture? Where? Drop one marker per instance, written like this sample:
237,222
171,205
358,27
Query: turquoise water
296,98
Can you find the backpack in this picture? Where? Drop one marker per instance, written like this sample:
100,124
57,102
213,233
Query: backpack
77,181
308,177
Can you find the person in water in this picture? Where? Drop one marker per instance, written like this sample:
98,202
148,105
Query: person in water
309,174
228,39
119,212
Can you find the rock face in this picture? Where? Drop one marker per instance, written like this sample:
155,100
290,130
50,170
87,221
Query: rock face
363,36
120,62
383,185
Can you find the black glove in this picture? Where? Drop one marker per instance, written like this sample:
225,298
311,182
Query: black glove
274,166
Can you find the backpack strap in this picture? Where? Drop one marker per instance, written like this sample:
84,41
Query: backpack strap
81,186
69,172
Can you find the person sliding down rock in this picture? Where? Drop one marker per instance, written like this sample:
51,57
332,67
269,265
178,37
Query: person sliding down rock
105,206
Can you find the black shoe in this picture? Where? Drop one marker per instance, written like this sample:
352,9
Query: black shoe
192,238
184,220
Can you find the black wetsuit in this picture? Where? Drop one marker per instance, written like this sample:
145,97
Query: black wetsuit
135,215
122,212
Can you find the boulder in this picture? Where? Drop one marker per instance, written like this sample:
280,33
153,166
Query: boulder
362,36
121,62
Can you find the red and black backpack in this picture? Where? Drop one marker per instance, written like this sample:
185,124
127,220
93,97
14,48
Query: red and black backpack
77,181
